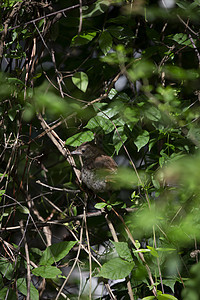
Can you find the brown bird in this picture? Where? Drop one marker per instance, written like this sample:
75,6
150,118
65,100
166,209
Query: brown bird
97,169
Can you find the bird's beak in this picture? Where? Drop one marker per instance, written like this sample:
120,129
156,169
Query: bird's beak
76,152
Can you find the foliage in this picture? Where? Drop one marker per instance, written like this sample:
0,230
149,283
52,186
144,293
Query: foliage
125,75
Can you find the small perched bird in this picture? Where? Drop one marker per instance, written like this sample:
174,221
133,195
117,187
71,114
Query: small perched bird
97,168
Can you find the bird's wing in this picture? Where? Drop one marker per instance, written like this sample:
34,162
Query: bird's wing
105,162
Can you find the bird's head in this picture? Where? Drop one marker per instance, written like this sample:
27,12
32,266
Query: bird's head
85,150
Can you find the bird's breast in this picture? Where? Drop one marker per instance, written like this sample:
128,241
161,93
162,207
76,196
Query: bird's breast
92,180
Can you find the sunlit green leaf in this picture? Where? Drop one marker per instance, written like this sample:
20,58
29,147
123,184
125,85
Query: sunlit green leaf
100,122
116,268
166,297
83,38
96,9
182,39
80,138
80,80
153,251
46,272
153,114
142,140
100,205
56,252
123,250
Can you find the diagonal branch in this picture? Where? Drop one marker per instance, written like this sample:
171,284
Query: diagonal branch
60,145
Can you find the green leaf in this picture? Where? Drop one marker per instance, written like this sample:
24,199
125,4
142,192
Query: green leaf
123,250
79,138
4,294
155,182
153,114
100,205
112,93
12,113
96,9
80,80
142,250
119,138
24,210
149,298
153,251
2,192
37,251
120,32
82,39
12,81
22,287
170,283
3,175
165,249
6,268
56,252
166,297
105,42
182,39
100,122
46,272
142,140
116,268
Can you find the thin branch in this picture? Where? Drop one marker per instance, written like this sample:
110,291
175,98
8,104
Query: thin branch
81,17
52,188
60,145
44,17
187,26
195,48
55,222
89,251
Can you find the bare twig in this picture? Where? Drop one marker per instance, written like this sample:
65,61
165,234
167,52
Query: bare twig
89,251
81,17
60,145
195,48
44,17
187,26
52,188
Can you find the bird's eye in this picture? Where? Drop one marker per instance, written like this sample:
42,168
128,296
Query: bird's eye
83,150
